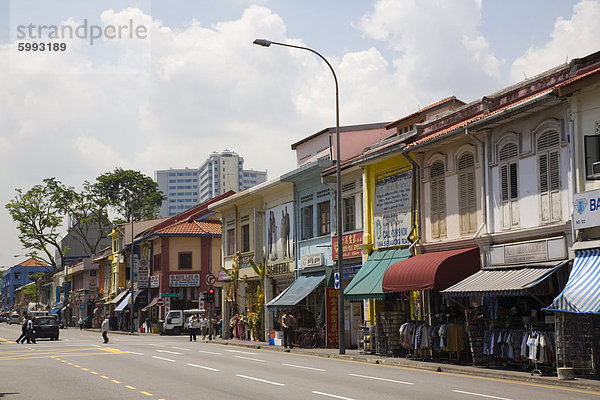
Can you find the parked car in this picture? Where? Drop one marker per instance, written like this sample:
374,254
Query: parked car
45,327
14,319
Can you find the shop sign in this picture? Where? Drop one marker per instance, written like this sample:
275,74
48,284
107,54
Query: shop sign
527,252
586,209
184,280
278,269
223,276
393,209
351,244
331,299
155,281
312,260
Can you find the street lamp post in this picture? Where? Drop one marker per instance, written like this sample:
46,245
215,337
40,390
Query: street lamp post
340,266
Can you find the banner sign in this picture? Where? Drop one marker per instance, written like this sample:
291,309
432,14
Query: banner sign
331,298
184,280
155,281
279,222
392,209
351,244
586,209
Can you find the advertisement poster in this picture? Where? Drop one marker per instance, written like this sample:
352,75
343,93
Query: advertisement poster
184,280
280,233
351,244
392,210
332,317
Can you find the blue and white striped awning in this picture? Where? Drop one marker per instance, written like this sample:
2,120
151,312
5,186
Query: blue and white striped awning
513,281
582,292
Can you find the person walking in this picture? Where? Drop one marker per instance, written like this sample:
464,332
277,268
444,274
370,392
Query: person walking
287,323
23,331
30,331
203,326
104,328
192,327
80,322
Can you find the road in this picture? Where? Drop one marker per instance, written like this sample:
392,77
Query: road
80,366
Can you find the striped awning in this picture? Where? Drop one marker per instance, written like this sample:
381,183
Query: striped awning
582,291
513,281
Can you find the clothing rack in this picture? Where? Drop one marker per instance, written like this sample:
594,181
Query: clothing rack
538,328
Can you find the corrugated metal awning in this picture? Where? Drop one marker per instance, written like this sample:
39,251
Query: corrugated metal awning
296,292
513,281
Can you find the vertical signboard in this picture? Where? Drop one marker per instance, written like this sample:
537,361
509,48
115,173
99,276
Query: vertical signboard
280,233
331,295
392,209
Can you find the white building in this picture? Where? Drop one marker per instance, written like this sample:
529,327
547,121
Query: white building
221,172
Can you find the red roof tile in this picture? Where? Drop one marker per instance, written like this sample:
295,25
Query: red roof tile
192,228
32,262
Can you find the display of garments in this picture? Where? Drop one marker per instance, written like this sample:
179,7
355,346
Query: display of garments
519,345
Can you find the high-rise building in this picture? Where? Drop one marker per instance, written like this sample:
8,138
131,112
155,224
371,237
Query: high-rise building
221,172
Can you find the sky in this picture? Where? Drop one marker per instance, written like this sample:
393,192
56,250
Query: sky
190,81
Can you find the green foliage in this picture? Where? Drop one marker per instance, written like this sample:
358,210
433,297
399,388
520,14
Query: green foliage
128,191
32,291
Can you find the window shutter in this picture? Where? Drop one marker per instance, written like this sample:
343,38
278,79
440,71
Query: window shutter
434,210
504,182
442,207
554,171
543,170
514,186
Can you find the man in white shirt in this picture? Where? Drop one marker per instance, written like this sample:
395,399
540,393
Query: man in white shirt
203,326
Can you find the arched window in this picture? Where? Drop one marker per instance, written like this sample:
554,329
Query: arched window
467,202
548,145
438,199
508,158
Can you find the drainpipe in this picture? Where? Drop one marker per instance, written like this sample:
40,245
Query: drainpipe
573,185
484,198
417,224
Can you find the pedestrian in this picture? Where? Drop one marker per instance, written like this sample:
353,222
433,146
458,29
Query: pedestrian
80,322
203,326
23,331
287,323
30,331
104,328
192,327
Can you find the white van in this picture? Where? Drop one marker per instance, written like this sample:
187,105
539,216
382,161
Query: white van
14,319
177,321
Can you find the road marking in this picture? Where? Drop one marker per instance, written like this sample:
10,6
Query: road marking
303,367
96,345
382,379
200,366
181,348
481,395
332,395
115,381
110,348
85,369
239,351
104,376
63,361
155,344
167,351
147,394
261,380
129,387
133,352
166,359
4,340
76,366
251,359
92,372
210,352
70,363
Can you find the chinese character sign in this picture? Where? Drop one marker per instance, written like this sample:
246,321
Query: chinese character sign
332,317
392,209
351,243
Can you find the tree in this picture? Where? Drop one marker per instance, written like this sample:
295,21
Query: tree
127,190
33,291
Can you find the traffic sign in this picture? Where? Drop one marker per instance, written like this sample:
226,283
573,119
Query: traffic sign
171,295
160,302
210,279
336,280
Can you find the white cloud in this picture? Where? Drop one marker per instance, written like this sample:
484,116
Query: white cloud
571,38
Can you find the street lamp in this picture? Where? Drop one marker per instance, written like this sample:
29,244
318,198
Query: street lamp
340,267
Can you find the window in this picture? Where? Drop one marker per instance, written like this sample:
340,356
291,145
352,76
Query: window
156,262
230,242
17,276
245,238
185,260
438,199
509,185
549,176
324,218
592,154
349,214
467,203
307,222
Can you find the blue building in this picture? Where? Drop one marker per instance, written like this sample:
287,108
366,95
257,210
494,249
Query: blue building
17,276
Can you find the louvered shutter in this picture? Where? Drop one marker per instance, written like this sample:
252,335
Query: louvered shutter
435,232
467,199
442,207
549,176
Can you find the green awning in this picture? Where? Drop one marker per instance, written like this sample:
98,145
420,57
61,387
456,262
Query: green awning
367,282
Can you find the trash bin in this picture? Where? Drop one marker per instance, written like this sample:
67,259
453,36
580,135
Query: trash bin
161,326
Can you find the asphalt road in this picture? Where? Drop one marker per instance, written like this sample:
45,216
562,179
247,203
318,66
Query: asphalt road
80,366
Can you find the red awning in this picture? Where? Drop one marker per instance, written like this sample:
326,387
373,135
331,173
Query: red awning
438,270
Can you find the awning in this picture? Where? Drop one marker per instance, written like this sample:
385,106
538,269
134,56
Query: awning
296,292
118,298
437,270
151,304
125,302
513,281
582,291
367,282
55,311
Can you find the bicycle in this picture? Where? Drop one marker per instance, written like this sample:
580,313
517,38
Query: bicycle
313,338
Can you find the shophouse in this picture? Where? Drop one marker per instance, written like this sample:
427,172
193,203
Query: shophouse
84,288
17,276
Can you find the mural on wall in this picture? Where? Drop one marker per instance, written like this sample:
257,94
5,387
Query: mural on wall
280,233
392,209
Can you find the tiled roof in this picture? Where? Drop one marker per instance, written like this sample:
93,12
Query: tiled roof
192,228
33,263
422,110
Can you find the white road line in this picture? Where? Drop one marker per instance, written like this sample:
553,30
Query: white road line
481,395
261,380
137,354
181,348
251,359
154,344
303,367
166,359
382,379
239,351
200,366
167,351
332,395
210,352
96,345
